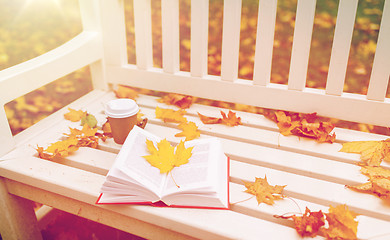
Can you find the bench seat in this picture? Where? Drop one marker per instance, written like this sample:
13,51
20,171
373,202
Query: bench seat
315,175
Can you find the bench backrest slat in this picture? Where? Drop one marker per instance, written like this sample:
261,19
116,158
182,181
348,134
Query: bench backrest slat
301,44
199,37
380,73
230,40
264,42
170,35
341,47
143,38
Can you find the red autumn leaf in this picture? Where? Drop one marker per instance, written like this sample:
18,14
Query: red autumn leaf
309,224
230,119
307,125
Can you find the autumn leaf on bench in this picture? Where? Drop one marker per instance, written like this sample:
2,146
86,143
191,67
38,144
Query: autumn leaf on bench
309,224
125,92
379,181
339,223
181,101
58,149
230,119
306,125
189,130
79,115
74,115
371,152
165,157
170,115
86,136
263,191
342,223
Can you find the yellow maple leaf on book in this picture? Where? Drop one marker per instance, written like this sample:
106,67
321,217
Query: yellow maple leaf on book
164,157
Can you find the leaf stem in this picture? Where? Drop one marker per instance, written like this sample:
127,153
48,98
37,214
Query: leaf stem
173,179
243,200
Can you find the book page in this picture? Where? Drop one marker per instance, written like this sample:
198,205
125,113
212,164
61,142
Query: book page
131,162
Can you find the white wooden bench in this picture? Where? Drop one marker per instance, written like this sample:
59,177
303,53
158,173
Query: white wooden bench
315,173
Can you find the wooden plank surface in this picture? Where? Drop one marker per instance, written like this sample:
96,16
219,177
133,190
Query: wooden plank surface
255,149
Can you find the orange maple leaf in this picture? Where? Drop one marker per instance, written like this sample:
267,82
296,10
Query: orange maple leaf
230,119
371,152
342,223
263,191
209,120
74,115
189,130
165,157
170,115
181,101
309,224
86,136
379,181
125,92
307,125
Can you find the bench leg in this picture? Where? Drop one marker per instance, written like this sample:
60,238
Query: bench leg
17,218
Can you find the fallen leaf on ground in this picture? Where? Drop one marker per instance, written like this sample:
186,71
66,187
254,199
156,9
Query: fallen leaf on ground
125,92
379,181
170,115
181,101
342,223
371,152
75,115
307,125
263,191
164,157
309,224
189,131
230,119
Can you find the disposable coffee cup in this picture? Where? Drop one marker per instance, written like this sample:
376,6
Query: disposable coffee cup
122,116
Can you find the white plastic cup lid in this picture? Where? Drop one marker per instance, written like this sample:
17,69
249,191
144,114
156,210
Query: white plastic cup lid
121,108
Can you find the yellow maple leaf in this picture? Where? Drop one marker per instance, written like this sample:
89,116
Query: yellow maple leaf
63,148
342,223
164,157
189,130
74,115
182,154
379,181
170,115
371,152
263,191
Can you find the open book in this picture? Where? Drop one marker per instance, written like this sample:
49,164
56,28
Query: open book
202,182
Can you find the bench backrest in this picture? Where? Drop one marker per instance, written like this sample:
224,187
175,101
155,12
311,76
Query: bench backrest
102,44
